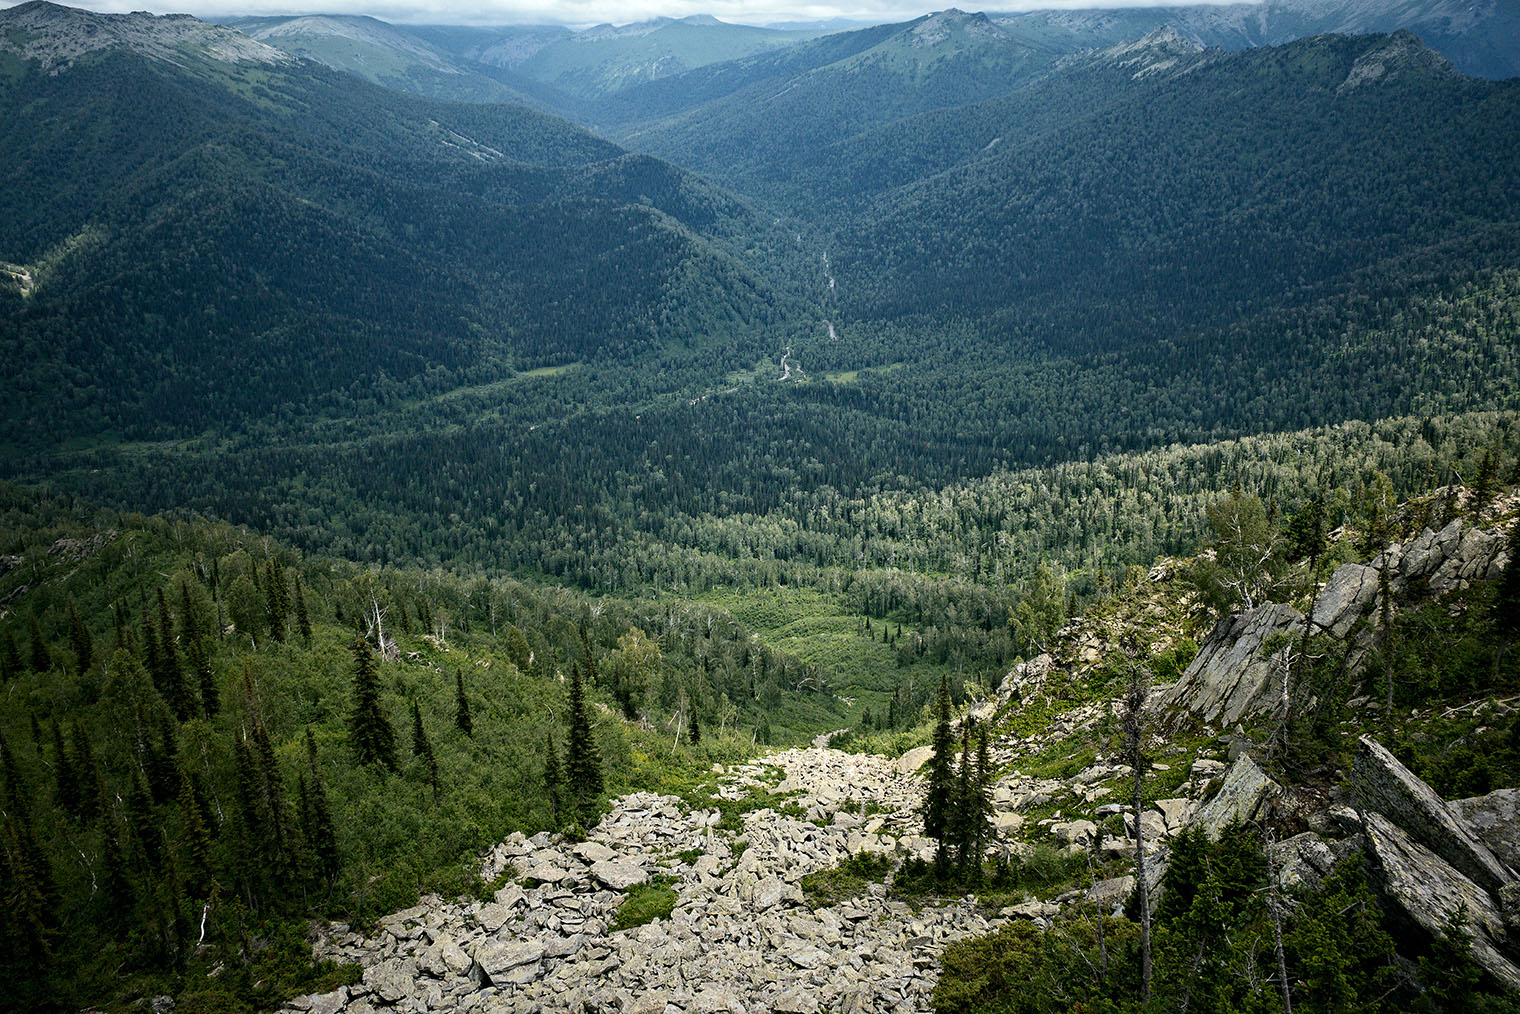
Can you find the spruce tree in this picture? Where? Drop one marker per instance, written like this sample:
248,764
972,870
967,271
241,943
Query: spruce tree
982,801
554,785
191,626
117,898
171,678
150,651
693,728
143,827
316,819
32,899
271,794
588,658
278,600
193,844
462,705
41,661
370,732
962,831
303,618
162,763
199,657
583,761
939,792
80,640
422,749
10,658
65,782
87,773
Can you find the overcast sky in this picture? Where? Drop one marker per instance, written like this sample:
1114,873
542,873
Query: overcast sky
580,12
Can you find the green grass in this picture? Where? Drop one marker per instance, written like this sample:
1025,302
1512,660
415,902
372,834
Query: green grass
847,880
646,903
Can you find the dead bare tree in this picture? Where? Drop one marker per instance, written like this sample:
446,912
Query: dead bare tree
374,623
1133,725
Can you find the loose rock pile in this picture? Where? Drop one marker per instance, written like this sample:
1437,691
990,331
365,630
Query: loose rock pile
739,939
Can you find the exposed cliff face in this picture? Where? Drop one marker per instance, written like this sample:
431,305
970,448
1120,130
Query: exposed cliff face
1238,671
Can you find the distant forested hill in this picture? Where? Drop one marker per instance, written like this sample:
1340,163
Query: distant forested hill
208,239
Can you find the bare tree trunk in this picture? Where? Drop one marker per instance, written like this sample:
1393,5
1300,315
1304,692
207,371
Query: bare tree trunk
1274,909
1134,734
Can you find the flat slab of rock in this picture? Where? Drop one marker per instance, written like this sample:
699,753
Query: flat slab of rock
593,852
619,875
1246,788
1380,783
1430,892
497,959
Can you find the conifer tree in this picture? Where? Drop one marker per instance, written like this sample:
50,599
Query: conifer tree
150,651
65,782
588,658
191,626
140,822
303,618
962,832
10,658
316,818
117,898
422,749
171,677
119,620
199,657
87,773
554,785
939,792
162,763
370,732
462,705
693,728
80,640
31,902
15,789
583,761
278,600
41,661
982,820
193,845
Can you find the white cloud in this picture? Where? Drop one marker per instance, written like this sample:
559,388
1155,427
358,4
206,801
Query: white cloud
575,12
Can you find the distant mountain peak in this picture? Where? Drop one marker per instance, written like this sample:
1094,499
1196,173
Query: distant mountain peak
56,36
944,25
1396,56
1157,52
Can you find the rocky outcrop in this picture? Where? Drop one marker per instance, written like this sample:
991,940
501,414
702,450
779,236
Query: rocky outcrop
1380,783
1430,892
1234,673
1238,674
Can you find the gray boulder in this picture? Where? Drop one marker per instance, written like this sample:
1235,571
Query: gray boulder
1245,791
1495,819
499,960
618,875
1379,782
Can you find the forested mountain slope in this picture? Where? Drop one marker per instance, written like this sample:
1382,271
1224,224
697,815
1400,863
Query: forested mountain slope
1482,38
273,233
394,56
